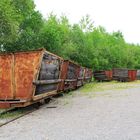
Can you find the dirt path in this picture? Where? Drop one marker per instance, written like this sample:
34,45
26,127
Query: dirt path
106,114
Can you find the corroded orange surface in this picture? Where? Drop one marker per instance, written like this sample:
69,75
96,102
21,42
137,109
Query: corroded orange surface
4,105
132,74
17,72
6,90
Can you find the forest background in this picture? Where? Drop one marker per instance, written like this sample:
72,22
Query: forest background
24,28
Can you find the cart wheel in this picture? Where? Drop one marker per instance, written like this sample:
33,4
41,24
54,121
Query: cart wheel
37,105
47,100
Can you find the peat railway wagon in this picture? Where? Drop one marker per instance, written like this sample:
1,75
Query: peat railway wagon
69,75
138,74
103,75
28,77
88,75
124,74
80,79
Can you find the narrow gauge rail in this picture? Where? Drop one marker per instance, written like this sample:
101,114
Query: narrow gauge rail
30,77
27,110
15,118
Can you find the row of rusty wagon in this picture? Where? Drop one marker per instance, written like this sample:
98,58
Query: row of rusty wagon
119,74
30,77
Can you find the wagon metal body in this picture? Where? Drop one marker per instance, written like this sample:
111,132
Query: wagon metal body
103,75
69,75
124,74
33,76
26,77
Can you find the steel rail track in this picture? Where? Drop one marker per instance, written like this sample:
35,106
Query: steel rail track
11,120
35,108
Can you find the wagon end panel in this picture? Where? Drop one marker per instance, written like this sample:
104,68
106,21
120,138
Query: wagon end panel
88,75
63,75
48,79
132,74
6,78
72,76
4,105
80,77
26,68
120,74
109,74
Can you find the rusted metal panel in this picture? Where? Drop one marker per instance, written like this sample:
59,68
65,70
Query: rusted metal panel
49,74
120,72
88,75
69,75
103,75
72,74
27,77
123,74
26,67
17,72
63,74
109,74
132,74
6,77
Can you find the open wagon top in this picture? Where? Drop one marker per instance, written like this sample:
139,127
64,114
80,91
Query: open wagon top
42,50
18,70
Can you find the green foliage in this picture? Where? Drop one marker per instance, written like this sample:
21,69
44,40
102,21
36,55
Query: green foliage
23,28
9,23
86,24
20,25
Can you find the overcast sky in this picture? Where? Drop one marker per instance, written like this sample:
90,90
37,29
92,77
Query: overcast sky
123,15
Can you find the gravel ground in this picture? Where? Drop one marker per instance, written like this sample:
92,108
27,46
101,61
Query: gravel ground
104,115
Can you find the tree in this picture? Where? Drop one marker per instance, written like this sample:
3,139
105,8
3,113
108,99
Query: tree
86,24
30,27
9,23
22,28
